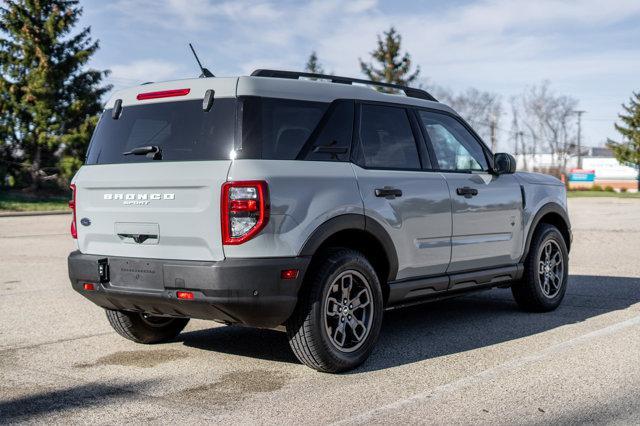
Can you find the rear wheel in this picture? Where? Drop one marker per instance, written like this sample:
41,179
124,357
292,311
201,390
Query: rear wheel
339,314
144,328
544,283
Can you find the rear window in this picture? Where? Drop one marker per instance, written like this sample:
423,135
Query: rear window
182,130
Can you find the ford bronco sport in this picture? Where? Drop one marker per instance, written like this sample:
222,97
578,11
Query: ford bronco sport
306,201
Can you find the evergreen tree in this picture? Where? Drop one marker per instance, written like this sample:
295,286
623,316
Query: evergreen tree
393,67
313,66
628,151
49,100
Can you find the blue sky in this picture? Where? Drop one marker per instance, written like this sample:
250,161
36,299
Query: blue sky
589,49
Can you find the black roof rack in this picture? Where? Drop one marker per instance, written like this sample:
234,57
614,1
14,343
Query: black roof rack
295,75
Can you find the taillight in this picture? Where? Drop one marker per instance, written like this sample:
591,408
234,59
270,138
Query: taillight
72,206
245,210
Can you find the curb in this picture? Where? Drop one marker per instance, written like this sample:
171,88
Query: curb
43,213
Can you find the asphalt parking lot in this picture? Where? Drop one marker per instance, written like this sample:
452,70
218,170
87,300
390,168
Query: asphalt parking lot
475,359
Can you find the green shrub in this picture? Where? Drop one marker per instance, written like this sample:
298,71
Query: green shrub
596,187
609,188
623,189
68,167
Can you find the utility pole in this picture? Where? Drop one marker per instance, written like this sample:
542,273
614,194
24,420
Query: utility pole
492,128
579,112
524,151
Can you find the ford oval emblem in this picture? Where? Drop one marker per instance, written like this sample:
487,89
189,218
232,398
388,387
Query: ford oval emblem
85,221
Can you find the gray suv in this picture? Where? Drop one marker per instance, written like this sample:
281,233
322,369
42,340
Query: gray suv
306,201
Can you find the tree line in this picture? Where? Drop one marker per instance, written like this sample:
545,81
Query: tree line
541,120
50,100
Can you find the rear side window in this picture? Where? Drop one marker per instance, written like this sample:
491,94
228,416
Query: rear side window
277,129
331,141
182,130
387,139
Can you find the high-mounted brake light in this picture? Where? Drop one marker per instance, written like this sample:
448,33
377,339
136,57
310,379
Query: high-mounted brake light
72,206
162,94
244,210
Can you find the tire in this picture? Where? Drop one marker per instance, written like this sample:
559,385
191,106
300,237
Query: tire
543,285
314,336
141,328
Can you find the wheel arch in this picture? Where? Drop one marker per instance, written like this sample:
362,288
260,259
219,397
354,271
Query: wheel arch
360,233
553,214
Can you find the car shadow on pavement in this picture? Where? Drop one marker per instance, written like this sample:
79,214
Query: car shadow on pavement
59,401
271,345
442,328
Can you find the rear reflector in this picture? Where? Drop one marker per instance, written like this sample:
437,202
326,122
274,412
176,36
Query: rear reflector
162,94
72,206
184,295
289,274
89,287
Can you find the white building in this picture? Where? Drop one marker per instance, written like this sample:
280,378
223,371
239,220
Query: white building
608,171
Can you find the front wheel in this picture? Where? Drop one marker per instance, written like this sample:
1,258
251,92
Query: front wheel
339,314
546,272
145,328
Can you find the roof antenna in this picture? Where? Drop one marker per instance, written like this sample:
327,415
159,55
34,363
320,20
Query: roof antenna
205,72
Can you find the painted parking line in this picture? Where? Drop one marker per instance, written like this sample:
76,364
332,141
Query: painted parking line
490,373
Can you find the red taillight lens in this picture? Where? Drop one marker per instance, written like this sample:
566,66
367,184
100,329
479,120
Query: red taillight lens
244,210
184,295
162,94
89,287
243,205
72,206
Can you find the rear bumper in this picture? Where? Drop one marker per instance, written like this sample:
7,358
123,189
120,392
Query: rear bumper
246,291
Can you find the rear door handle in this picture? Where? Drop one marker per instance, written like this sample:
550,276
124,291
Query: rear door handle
467,192
138,238
388,192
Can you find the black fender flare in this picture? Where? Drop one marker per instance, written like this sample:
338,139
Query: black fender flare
357,222
544,210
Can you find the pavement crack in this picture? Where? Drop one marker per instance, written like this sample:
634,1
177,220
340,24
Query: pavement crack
51,342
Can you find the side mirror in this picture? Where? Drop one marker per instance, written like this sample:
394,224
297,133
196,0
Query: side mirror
504,163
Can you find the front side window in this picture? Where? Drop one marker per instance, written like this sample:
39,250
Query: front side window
455,147
386,138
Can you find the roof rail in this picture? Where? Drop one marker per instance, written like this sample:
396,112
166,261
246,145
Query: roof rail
295,75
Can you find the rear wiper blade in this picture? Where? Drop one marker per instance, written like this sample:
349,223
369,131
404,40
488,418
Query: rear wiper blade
151,151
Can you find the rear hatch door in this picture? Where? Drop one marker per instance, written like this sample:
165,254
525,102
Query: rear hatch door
162,208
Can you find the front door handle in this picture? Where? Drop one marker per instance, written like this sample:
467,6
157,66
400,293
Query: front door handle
388,192
467,192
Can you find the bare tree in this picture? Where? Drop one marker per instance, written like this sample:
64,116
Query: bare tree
545,121
483,110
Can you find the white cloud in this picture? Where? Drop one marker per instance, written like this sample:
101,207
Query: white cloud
144,70
497,45
357,6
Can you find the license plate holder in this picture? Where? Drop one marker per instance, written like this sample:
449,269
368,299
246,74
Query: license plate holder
138,274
